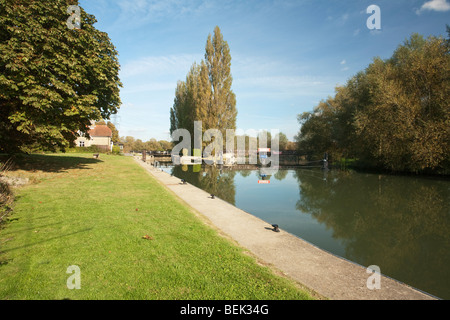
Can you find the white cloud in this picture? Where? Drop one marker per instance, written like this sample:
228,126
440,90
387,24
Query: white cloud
273,86
157,75
149,87
343,63
260,76
160,65
434,5
280,82
137,13
339,20
375,32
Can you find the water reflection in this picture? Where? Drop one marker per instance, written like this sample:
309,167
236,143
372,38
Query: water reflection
213,180
401,224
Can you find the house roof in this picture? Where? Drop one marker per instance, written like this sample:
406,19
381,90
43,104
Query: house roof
100,131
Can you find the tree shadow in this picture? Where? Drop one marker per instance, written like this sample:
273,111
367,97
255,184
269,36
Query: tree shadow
4,262
49,163
7,233
45,241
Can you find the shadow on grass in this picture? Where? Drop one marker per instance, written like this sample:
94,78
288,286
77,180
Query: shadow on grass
49,163
7,233
46,240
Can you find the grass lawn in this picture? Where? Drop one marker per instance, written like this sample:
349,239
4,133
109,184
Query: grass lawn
93,214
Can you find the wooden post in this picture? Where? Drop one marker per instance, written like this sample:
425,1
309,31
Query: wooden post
325,161
144,156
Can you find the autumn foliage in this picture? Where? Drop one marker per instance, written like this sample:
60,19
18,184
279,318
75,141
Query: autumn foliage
394,115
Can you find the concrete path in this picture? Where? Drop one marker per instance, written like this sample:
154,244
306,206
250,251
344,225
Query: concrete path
328,275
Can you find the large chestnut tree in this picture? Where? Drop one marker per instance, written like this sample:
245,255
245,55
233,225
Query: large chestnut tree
55,76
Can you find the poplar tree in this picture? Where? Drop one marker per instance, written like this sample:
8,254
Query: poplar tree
53,79
206,95
223,111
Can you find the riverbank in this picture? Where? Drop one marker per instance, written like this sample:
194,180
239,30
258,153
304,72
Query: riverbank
130,238
364,167
329,275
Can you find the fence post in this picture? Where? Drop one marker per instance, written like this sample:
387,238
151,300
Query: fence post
325,160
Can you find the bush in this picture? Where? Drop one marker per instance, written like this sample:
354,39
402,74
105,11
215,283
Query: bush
91,149
6,195
116,150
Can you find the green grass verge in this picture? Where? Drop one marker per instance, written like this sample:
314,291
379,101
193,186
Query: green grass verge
94,214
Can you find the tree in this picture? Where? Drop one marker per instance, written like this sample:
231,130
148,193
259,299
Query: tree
291,146
138,146
316,135
153,145
206,95
128,143
282,141
115,132
266,136
448,35
223,103
407,127
394,115
53,80
165,145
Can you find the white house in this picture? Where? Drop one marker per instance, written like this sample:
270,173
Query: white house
101,136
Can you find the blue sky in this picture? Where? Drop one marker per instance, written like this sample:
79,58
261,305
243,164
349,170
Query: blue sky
286,55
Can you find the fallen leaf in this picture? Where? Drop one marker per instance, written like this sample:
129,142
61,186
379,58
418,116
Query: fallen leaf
147,237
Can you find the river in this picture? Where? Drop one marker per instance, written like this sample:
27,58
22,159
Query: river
399,223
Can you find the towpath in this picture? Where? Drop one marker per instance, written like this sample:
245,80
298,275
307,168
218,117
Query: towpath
328,275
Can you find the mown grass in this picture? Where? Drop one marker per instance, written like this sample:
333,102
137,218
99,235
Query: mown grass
94,214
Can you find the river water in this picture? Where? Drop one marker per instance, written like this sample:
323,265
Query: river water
398,223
